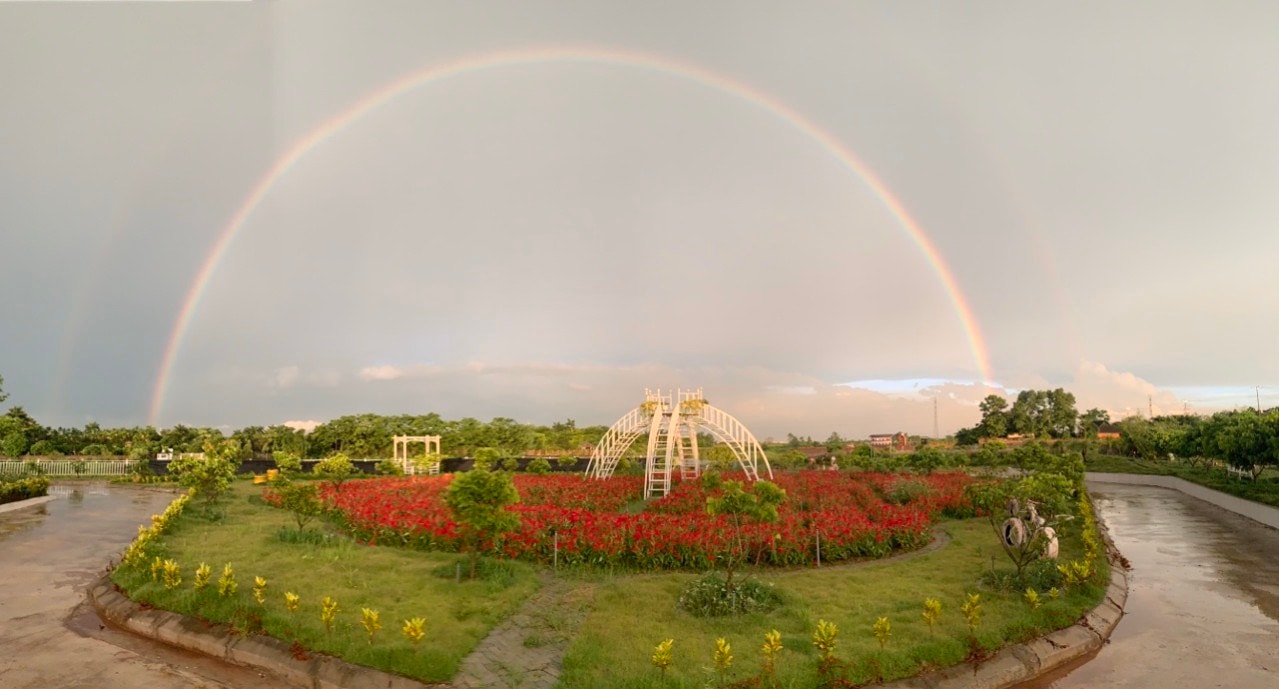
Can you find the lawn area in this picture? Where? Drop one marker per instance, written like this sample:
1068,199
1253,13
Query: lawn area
633,614
628,614
398,584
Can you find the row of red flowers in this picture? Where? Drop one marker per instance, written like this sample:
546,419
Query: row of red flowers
584,520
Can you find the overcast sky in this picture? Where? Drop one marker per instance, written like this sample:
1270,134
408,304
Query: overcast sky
543,239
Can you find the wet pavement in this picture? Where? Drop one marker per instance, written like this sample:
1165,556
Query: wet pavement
1203,598
49,636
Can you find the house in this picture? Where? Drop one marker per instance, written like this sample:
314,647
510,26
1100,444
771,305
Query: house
893,441
1108,431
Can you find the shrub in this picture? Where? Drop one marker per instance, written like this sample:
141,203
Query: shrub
287,461
22,489
486,458
511,464
95,450
478,500
337,469
45,448
539,466
710,596
566,462
904,491
210,476
390,467
302,499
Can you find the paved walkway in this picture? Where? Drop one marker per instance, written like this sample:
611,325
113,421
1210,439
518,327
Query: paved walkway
50,639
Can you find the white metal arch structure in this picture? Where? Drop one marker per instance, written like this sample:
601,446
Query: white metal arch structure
400,450
672,423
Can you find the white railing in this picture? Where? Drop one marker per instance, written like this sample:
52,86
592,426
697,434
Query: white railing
67,467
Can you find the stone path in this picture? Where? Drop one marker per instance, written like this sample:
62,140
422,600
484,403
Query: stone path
527,650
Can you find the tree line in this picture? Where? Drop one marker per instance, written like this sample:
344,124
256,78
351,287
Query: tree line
1039,413
1245,439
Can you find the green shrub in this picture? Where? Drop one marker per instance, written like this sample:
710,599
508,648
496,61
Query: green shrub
22,489
300,498
511,464
566,462
539,466
903,491
710,596
337,469
44,448
287,461
390,467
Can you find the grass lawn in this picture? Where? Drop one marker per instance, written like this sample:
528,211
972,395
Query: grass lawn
398,584
628,613
633,614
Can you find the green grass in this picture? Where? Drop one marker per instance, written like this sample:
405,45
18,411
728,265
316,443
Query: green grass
633,614
627,616
1264,490
399,584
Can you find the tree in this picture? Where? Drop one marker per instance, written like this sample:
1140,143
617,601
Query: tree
740,506
209,477
834,443
336,468
3,395
927,459
478,500
302,499
1091,421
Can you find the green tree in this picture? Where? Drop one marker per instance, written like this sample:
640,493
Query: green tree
3,395
742,507
300,498
927,459
478,500
1091,421
336,469
209,477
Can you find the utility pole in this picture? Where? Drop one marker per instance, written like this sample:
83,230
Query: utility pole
1150,400
1258,399
936,434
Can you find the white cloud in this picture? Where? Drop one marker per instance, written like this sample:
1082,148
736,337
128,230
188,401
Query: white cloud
306,426
286,377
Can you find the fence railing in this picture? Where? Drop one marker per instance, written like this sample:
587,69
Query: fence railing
67,467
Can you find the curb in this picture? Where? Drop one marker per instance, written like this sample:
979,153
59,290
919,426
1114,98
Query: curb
29,502
1022,662
264,652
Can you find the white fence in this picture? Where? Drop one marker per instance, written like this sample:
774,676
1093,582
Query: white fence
67,467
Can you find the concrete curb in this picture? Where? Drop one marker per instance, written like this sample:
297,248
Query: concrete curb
275,656
1025,661
29,502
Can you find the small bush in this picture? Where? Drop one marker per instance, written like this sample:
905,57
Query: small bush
390,467
22,489
1040,575
710,596
904,491
538,466
566,462
510,464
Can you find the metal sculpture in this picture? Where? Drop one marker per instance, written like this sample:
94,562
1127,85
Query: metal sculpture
1024,525
672,423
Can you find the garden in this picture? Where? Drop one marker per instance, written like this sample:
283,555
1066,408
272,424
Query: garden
793,582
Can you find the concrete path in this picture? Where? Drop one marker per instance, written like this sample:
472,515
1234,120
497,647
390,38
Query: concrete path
49,638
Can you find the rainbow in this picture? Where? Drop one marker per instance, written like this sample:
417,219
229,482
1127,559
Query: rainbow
540,55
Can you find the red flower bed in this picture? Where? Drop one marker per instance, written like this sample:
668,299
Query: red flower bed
586,519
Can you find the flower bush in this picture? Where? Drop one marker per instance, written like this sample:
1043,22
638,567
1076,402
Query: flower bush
588,523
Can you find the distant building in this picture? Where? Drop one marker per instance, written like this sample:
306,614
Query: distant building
1108,431
893,441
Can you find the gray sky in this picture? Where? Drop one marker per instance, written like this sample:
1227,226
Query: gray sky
544,239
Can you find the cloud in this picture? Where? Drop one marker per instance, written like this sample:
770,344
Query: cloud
286,377
307,426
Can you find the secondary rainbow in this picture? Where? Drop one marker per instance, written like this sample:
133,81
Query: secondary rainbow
610,56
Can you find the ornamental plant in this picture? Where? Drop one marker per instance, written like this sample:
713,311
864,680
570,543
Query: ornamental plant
932,612
883,630
259,590
662,655
226,582
172,574
209,477
414,629
328,613
824,638
723,658
1032,598
972,613
157,566
291,601
478,500
369,620
772,646
202,575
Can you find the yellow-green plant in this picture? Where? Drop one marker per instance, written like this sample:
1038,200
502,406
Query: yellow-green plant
772,646
414,630
172,574
369,620
291,601
157,566
662,655
226,582
1053,593
723,658
883,631
932,612
202,575
1032,598
259,590
972,612
328,612
824,638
